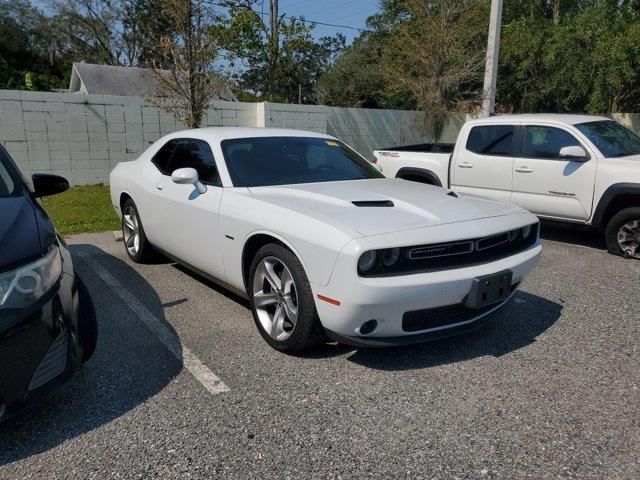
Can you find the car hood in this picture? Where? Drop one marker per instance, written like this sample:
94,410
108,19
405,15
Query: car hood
381,205
19,232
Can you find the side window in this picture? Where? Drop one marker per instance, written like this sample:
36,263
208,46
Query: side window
494,140
162,158
546,142
192,153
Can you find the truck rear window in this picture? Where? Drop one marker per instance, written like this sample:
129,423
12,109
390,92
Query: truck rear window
491,140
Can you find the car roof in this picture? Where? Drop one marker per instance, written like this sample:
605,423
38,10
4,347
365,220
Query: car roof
562,118
225,133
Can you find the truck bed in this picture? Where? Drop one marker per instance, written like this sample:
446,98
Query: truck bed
422,147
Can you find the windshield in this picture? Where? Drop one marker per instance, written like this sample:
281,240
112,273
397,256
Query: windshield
8,186
611,138
264,161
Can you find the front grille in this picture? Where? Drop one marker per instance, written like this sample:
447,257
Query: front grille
440,317
443,316
458,254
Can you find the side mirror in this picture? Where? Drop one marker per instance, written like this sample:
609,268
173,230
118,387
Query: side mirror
576,153
45,184
188,176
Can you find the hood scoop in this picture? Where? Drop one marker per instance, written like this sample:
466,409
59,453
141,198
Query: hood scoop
373,203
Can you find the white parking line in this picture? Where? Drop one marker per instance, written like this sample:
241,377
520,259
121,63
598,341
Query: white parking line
198,369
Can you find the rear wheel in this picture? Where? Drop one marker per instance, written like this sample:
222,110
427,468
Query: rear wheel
87,322
282,301
135,240
623,233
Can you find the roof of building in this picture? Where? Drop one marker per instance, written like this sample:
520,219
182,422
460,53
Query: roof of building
123,81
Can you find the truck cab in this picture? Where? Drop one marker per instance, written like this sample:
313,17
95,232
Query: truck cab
572,168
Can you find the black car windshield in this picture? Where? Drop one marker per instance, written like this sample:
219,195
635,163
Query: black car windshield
8,184
611,138
264,161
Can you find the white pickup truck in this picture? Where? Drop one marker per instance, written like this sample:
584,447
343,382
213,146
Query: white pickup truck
573,168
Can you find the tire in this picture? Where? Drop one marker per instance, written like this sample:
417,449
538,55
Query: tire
132,226
624,225
307,330
87,322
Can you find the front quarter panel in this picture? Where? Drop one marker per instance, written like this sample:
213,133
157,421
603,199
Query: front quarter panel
315,243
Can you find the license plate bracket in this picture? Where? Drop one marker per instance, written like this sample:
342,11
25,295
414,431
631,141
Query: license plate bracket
489,289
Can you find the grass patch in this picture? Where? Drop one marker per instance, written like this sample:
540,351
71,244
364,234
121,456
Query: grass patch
82,210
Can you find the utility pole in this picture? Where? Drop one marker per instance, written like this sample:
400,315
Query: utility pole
493,55
274,45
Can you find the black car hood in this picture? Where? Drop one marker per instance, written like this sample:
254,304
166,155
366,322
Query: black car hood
25,232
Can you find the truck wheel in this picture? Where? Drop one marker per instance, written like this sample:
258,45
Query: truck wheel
623,233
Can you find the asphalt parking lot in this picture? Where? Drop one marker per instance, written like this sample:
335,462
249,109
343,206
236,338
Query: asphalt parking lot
183,386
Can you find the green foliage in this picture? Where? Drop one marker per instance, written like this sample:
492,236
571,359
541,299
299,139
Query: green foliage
275,65
25,48
82,209
585,60
555,56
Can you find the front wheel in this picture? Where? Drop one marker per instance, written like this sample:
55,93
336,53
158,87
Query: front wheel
135,240
623,233
282,301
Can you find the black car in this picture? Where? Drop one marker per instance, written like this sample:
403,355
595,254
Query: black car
47,322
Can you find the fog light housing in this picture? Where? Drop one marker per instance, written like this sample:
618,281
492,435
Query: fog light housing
368,327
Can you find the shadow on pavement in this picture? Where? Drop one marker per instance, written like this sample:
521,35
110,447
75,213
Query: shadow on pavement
130,366
572,233
516,325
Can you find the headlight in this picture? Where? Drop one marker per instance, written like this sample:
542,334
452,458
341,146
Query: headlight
367,261
377,261
390,256
20,288
526,231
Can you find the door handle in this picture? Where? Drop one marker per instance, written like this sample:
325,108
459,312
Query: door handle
524,169
465,165
159,186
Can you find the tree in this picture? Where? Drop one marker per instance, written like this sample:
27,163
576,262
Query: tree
189,53
436,55
112,32
27,49
278,61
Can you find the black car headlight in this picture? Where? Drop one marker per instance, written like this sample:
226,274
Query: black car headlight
22,287
374,260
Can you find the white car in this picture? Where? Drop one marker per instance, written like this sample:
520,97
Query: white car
318,240
570,168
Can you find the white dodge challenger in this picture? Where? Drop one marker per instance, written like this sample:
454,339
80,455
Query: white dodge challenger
318,240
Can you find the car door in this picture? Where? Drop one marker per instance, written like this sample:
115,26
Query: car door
188,224
484,165
546,183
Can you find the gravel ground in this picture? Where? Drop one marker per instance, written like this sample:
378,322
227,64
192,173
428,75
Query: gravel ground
549,390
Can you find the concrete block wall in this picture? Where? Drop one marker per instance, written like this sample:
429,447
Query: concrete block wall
82,137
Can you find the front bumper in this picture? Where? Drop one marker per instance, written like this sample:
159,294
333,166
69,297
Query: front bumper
387,300
39,348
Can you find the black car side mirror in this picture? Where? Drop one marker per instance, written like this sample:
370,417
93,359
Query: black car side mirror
45,184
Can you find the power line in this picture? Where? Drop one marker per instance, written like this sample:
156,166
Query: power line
302,19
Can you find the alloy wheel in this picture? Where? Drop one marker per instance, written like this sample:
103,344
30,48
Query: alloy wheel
131,231
629,239
275,298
